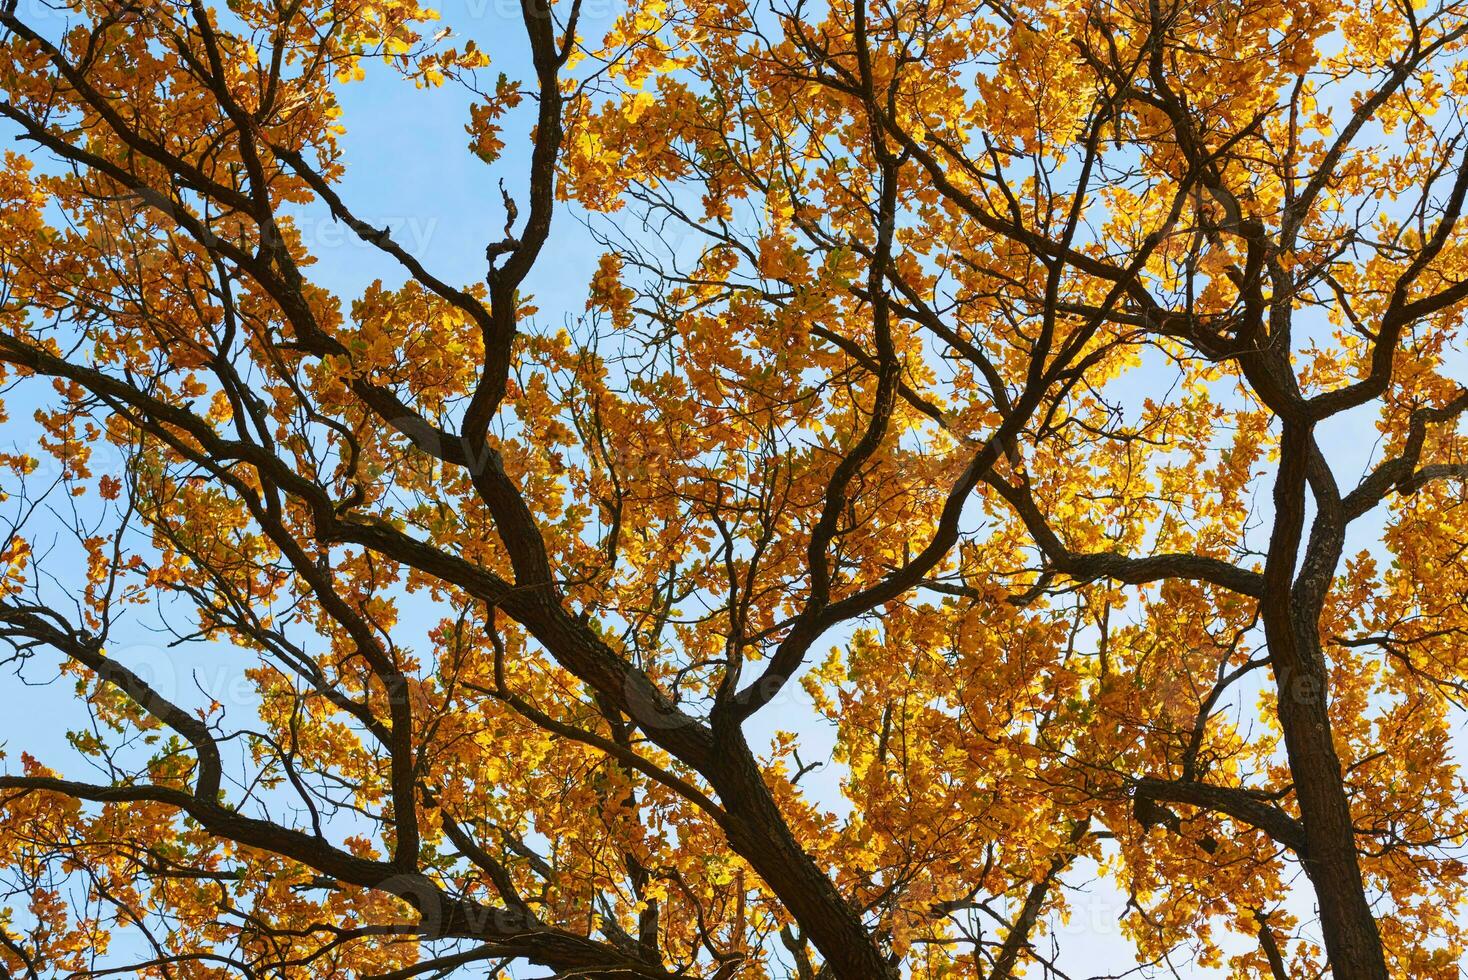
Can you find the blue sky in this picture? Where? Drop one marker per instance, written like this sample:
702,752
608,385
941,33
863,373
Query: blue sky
408,167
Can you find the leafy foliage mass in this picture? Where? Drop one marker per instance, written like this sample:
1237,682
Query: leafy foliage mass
1050,401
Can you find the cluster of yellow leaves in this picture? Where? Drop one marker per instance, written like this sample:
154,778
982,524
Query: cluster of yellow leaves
677,444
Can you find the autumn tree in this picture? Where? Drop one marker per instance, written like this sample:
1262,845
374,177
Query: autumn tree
1057,397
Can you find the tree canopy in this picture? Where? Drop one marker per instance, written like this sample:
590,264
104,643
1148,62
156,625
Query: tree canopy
1059,399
